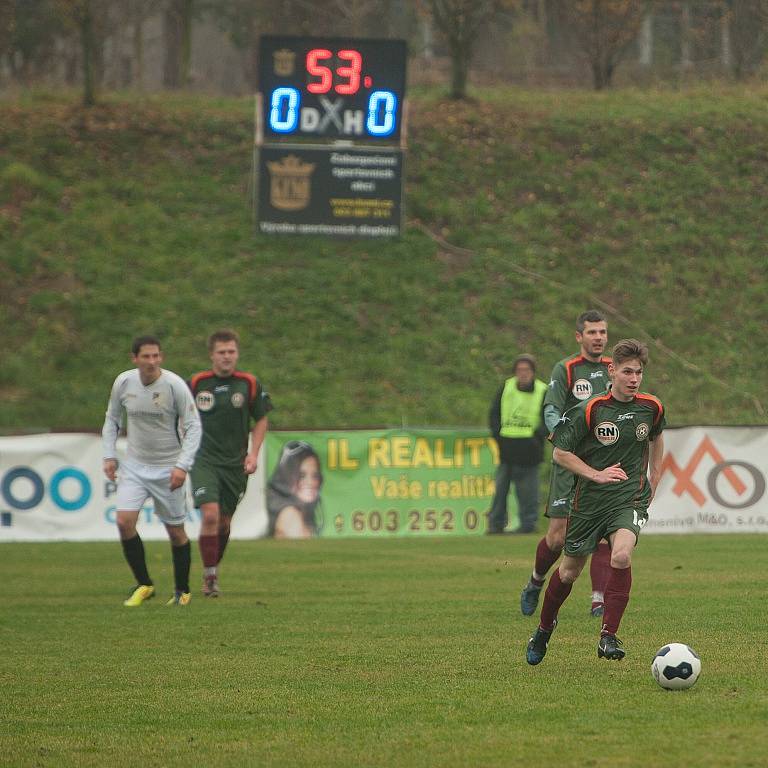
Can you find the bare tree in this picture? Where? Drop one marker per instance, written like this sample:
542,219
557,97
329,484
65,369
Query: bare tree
86,18
461,22
746,30
136,13
604,31
177,35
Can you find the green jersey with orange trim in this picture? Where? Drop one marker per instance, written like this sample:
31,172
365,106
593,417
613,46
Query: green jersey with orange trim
575,379
227,406
603,431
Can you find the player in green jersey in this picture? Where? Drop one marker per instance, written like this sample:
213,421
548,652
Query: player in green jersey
614,445
229,402
574,379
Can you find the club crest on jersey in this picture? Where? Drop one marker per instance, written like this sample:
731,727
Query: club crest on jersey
582,389
157,398
205,401
607,432
642,431
237,399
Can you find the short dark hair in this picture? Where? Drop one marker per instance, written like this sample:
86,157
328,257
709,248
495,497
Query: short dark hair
630,349
590,316
144,341
225,334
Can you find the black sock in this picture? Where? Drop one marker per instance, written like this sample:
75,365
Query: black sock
133,549
182,558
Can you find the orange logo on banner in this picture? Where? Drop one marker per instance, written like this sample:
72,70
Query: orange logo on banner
684,477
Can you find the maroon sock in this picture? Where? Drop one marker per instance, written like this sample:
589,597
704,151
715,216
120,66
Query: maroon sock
209,550
616,599
223,541
554,597
545,558
600,567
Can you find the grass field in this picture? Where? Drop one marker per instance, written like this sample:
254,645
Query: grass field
376,653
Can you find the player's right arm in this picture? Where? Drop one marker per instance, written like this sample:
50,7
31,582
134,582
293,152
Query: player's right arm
555,399
567,439
111,430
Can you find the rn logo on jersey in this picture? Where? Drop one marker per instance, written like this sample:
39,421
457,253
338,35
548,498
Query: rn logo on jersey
582,389
237,400
205,401
642,432
607,432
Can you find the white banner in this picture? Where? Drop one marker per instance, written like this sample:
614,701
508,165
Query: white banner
52,489
714,481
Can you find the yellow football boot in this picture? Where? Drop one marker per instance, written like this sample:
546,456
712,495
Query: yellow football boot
141,593
180,598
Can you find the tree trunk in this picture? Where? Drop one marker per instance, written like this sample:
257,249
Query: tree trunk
88,47
172,40
460,58
185,62
138,53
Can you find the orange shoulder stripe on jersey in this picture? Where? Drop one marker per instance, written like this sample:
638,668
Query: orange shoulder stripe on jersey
253,384
655,401
606,360
569,369
198,377
592,403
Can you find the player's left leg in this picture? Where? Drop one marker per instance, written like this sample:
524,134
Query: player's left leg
171,508
208,542
617,591
181,552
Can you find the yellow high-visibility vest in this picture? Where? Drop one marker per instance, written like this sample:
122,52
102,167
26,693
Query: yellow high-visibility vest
521,411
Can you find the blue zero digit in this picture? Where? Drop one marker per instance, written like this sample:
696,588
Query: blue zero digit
286,101
37,485
386,103
85,489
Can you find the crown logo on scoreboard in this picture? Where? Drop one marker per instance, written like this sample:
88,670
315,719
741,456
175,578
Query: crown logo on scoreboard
289,188
284,62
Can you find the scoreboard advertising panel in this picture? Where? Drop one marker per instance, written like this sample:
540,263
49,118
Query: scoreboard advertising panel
328,136
332,88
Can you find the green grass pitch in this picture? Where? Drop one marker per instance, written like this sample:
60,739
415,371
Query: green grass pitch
405,652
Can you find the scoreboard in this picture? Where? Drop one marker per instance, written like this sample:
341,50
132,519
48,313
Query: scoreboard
332,88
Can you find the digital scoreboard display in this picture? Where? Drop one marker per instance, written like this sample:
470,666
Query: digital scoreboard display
332,88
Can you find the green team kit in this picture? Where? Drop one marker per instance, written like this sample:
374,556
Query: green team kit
602,432
227,406
574,379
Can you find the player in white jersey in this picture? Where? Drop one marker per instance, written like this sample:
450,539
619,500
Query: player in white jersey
163,437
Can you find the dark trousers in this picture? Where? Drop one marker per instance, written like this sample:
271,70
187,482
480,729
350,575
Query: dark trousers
526,480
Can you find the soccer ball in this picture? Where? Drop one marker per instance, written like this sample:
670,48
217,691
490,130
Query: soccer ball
676,666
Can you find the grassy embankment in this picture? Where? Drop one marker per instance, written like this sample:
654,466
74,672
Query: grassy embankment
135,217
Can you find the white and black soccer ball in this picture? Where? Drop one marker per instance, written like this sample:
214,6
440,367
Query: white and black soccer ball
676,666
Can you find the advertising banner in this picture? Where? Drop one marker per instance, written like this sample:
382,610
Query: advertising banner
52,488
713,481
352,483
415,482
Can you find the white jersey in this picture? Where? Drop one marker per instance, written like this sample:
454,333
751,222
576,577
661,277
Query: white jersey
163,423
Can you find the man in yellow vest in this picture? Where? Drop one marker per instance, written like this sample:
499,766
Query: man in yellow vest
517,423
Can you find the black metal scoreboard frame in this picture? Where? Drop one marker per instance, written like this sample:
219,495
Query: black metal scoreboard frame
343,96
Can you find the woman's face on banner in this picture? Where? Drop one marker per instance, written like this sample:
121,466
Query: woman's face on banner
308,482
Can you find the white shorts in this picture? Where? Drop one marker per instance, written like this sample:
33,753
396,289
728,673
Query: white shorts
137,482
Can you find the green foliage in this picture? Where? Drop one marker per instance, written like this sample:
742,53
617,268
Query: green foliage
376,653
524,209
